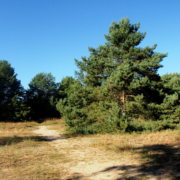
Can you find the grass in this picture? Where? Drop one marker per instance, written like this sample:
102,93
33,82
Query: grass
24,155
155,153
27,156
151,155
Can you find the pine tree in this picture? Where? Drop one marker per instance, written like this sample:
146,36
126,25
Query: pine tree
117,81
136,72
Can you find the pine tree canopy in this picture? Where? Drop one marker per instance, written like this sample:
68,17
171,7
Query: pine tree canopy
171,82
64,86
119,80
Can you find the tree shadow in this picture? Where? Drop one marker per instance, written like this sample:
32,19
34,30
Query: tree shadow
158,161
4,141
17,139
161,161
53,138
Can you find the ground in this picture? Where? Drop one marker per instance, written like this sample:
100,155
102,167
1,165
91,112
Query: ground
30,151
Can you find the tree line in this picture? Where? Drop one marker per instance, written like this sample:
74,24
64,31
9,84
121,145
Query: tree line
117,89
37,103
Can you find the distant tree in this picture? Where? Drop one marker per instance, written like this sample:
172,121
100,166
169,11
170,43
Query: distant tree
10,88
17,110
9,84
43,84
41,96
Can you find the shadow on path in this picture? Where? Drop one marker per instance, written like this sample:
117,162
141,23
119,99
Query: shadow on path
158,161
52,138
17,139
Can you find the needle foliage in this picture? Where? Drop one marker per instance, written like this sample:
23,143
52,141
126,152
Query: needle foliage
118,88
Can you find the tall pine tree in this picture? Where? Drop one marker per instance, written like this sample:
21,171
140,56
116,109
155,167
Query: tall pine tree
135,76
118,80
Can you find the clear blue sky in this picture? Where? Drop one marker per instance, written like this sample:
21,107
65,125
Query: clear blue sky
46,35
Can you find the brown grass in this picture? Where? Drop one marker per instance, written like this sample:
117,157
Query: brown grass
24,155
150,154
155,154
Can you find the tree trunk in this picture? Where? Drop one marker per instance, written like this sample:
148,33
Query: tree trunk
123,102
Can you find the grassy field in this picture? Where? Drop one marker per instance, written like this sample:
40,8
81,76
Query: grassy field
25,155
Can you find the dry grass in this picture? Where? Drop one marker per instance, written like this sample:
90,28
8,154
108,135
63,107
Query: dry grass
130,141
23,155
147,155
155,154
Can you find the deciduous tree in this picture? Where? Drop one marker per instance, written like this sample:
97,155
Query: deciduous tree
41,96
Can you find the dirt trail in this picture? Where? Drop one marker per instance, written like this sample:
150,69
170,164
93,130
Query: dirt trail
86,161
50,135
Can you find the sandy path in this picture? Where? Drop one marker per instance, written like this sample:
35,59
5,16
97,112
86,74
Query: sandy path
87,162
50,135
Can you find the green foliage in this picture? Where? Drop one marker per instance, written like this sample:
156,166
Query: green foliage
10,86
43,84
150,126
17,111
116,90
42,96
170,107
118,82
64,86
171,83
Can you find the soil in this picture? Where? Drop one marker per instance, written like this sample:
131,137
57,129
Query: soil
87,162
